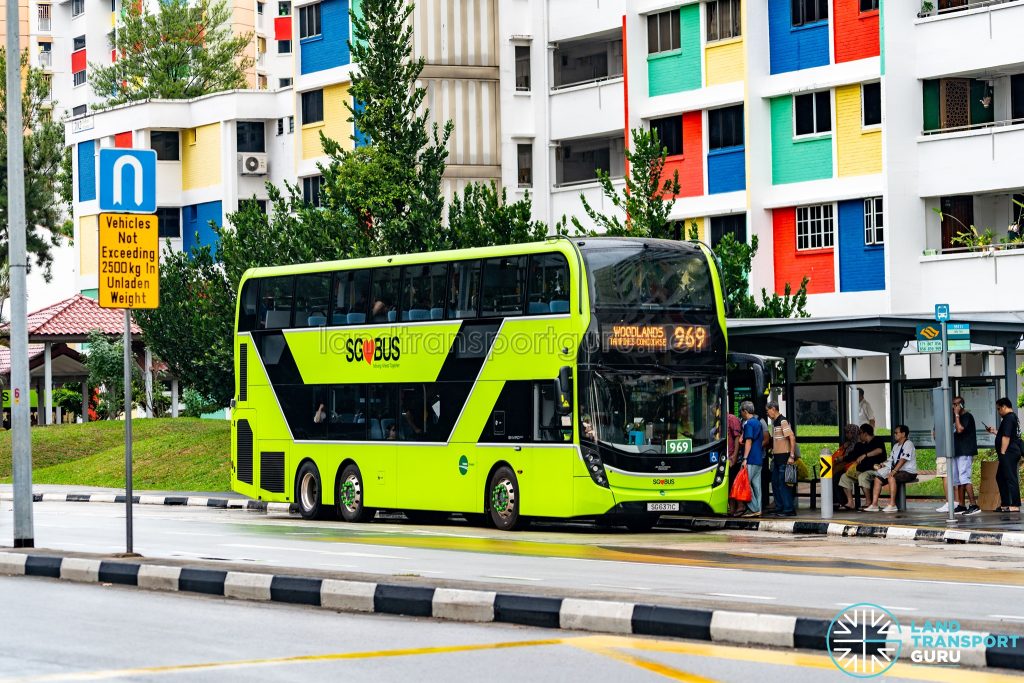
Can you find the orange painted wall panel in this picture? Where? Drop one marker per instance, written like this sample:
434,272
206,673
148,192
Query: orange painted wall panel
856,33
791,265
690,163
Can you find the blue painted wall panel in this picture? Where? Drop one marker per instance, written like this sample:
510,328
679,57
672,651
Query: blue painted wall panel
794,47
727,170
196,219
861,267
362,139
330,48
87,171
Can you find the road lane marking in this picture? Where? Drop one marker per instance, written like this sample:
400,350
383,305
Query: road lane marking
628,588
316,551
647,665
893,608
742,597
277,661
511,578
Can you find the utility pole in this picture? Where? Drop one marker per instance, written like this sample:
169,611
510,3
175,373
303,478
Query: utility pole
24,536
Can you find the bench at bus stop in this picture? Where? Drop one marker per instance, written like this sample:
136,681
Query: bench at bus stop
815,479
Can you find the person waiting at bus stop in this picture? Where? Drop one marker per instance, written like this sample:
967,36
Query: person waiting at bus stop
1008,446
870,451
783,454
753,455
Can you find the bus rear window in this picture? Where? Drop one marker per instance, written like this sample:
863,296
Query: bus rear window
249,306
650,278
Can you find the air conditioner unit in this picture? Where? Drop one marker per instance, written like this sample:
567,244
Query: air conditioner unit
252,163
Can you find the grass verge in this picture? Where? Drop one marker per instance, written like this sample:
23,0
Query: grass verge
183,454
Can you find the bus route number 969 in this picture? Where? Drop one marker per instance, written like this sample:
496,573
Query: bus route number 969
689,337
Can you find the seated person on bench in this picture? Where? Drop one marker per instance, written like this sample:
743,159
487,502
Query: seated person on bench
901,469
869,451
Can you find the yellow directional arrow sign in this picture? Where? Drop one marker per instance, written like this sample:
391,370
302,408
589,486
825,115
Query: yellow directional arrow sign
825,471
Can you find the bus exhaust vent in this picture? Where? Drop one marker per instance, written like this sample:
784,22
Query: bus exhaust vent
272,472
244,450
243,372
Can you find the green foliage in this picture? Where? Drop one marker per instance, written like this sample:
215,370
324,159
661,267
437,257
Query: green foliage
183,49
483,216
196,404
68,398
972,238
643,198
105,363
46,178
193,327
1020,399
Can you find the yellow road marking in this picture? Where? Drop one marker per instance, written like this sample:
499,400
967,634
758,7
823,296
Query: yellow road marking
276,661
647,664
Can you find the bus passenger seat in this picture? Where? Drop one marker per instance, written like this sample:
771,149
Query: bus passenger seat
559,306
538,308
375,432
338,319
356,318
317,320
419,314
436,313
392,316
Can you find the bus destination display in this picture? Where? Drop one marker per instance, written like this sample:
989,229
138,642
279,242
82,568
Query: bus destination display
654,338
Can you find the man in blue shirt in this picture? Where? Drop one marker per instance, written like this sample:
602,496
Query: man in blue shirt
753,455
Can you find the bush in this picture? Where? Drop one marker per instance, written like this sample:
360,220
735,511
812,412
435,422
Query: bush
197,405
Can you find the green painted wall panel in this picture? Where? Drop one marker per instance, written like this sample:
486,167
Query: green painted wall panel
930,92
678,71
796,161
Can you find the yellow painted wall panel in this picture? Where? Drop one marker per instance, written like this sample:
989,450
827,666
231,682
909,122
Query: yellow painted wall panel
725,62
335,124
200,161
88,245
859,151
688,223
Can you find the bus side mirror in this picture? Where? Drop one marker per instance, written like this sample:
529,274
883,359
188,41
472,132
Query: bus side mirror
563,391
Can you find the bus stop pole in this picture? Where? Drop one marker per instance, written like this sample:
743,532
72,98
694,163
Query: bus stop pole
947,433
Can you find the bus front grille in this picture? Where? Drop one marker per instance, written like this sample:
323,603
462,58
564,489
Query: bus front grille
244,451
272,471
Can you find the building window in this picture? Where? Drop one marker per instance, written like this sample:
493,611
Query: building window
735,225
871,97
78,78
311,189
79,110
77,7
577,161
280,126
291,124
309,21
868,5
813,112
1017,96
874,232
284,82
259,8
522,68
284,9
312,106
260,204
165,142
284,47
168,221
809,11
725,127
78,43
250,136
723,19
670,133
525,155
44,17
815,227
663,32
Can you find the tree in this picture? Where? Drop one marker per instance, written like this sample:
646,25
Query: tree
737,258
483,216
183,49
643,200
105,362
46,177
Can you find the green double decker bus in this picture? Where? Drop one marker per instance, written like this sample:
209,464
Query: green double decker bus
570,378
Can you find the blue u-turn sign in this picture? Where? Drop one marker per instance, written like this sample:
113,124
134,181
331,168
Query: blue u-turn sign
128,180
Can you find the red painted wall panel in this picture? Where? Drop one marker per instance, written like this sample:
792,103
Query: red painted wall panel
791,266
856,34
282,28
78,61
123,140
690,163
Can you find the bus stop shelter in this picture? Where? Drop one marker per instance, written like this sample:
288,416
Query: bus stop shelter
879,334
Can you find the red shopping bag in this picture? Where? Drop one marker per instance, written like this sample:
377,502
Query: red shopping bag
741,487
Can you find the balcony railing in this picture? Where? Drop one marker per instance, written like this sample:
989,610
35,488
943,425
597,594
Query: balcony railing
974,126
46,59
959,8
980,249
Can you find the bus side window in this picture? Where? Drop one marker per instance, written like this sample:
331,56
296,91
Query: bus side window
412,408
382,423
423,291
277,294
504,282
351,291
548,285
305,406
384,308
548,424
347,416
464,297
312,299
250,311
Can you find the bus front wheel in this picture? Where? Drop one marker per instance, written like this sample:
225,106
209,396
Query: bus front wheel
349,497
503,499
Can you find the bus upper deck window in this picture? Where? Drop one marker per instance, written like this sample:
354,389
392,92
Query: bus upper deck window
503,286
312,299
548,285
350,299
248,311
464,294
384,306
275,310
424,288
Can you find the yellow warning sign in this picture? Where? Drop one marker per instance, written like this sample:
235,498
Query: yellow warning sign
129,275
825,467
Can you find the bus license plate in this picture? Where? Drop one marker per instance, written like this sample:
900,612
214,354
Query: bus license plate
663,507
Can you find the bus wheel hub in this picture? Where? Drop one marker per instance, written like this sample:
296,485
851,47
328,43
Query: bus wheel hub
503,498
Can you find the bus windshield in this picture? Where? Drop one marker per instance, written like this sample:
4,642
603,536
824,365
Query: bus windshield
650,278
639,412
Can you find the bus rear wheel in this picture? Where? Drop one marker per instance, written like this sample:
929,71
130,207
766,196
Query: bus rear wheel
308,493
349,496
503,499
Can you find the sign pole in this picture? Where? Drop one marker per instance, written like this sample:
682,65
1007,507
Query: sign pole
947,435
128,429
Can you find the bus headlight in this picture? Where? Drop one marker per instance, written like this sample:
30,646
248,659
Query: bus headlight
720,472
595,467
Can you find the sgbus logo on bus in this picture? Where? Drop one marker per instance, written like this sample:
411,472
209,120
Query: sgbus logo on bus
370,350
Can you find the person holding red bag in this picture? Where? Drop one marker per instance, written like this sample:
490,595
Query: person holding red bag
753,455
